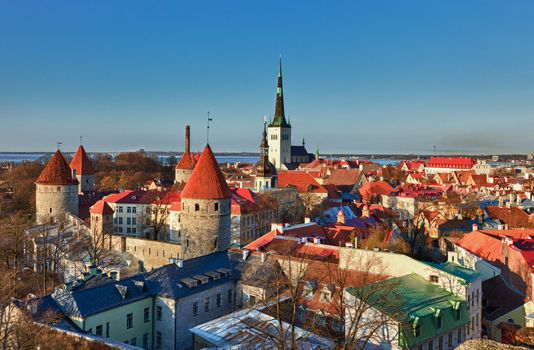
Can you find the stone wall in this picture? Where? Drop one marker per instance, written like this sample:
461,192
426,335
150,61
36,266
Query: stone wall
205,226
182,175
151,254
55,201
86,183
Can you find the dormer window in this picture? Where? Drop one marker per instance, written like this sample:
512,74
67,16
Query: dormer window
434,279
309,288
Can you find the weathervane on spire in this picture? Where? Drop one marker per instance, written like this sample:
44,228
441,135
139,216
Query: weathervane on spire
208,129
81,140
59,143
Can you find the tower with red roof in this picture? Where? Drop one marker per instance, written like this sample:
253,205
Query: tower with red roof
279,133
82,169
205,214
185,166
101,218
56,191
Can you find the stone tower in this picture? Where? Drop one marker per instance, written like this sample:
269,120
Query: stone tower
205,214
265,171
185,166
101,218
56,191
279,133
82,169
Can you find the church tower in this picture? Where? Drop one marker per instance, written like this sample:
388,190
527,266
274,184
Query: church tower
82,170
265,171
185,166
279,131
56,191
205,212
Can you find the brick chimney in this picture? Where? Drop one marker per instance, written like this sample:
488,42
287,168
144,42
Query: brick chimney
187,139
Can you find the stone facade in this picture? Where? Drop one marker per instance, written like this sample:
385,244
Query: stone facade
151,254
102,224
279,139
182,175
86,183
54,201
205,226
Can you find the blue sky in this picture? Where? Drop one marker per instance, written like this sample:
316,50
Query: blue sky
359,76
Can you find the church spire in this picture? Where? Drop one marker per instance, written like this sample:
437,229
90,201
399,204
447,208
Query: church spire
279,114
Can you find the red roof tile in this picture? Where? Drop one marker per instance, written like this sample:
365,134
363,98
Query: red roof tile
102,208
457,163
56,172
302,181
375,188
81,163
186,162
206,181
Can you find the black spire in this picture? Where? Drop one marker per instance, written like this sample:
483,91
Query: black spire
279,114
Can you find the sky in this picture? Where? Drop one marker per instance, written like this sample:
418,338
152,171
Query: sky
359,76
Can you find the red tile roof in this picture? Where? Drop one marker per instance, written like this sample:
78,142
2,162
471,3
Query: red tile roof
340,177
456,163
302,181
56,172
514,217
102,208
81,163
375,188
206,181
187,161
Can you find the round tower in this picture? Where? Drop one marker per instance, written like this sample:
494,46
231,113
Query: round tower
185,166
82,169
56,191
205,213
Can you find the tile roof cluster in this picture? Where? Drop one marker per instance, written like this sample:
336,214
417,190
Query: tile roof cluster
375,188
301,181
206,181
56,172
81,163
513,216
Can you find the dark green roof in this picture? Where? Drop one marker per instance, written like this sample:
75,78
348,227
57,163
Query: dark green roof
459,271
411,300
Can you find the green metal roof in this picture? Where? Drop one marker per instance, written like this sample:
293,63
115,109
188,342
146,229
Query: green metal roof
459,271
411,300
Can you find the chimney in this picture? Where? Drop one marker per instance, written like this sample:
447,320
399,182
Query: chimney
180,262
341,216
316,240
307,220
113,275
245,254
187,139
518,199
475,227
263,257
276,226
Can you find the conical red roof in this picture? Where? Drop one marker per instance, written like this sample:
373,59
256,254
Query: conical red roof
81,163
186,162
206,181
56,172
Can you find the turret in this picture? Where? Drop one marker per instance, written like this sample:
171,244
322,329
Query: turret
56,192
185,166
82,170
101,219
265,171
205,212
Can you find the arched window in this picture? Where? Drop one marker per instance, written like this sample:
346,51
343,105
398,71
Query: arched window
216,207
197,207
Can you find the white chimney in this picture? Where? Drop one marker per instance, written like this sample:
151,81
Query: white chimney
475,227
307,220
263,257
180,263
276,226
316,240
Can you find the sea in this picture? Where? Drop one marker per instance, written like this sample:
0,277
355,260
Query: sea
19,157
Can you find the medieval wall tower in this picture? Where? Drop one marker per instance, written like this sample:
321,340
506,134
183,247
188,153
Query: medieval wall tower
185,166
101,219
205,212
82,169
279,132
56,191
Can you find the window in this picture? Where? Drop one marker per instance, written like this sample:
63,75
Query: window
197,207
134,230
120,208
128,221
129,321
216,206
431,345
230,296
133,341
107,329
120,221
147,314
128,230
417,330
159,312
434,279
145,341
158,340
206,304
128,209
120,229
134,221
99,330
134,210
219,300
195,308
